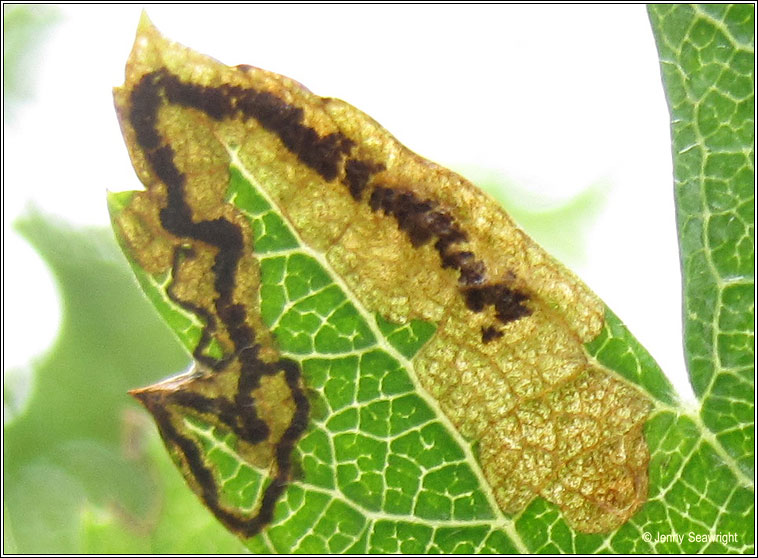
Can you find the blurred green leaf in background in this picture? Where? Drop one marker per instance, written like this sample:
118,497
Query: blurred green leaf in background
82,444
24,30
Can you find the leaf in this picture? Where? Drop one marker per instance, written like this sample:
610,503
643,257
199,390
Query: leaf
707,62
24,31
384,362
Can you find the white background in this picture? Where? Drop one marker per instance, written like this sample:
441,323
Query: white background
553,100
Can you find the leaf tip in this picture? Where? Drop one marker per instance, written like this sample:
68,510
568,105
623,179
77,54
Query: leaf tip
145,23
141,394
147,396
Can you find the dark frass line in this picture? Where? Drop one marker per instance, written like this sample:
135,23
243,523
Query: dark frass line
421,220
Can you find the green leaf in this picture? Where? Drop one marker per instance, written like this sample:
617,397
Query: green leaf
24,31
707,62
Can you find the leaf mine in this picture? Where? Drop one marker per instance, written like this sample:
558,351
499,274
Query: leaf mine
358,317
